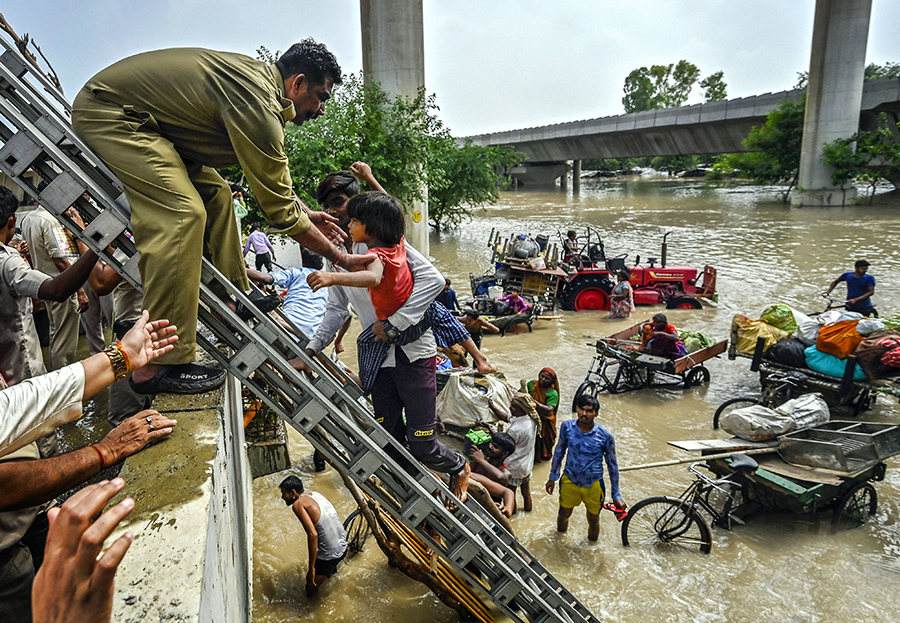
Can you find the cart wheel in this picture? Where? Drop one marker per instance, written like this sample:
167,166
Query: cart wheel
696,376
358,531
666,523
730,405
587,388
857,505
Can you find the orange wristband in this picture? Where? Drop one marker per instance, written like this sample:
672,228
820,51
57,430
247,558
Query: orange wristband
125,355
100,454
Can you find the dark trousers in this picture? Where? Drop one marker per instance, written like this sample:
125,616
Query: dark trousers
412,386
264,259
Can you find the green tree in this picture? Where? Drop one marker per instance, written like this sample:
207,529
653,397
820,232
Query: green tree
775,147
404,142
873,71
665,86
866,156
714,87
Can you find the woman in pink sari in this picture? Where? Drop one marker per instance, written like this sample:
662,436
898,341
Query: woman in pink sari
621,302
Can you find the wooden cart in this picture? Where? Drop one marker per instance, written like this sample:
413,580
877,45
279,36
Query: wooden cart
620,366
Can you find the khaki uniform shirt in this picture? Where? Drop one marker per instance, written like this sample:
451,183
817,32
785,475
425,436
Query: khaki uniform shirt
20,350
218,109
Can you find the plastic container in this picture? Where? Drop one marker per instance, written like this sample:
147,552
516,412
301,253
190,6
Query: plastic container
495,292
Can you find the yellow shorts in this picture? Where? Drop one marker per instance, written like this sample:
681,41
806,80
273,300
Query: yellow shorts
571,495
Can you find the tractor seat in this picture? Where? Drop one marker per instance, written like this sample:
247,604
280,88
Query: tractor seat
615,264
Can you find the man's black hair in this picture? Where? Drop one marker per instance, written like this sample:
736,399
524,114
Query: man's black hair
340,182
313,60
586,400
8,205
504,441
446,281
310,259
292,483
570,233
660,318
237,188
860,263
382,215
471,313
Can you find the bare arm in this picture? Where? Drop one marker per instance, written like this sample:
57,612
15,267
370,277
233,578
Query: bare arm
260,277
68,282
364,172
36,482
486,468
312,542
368,277
487,326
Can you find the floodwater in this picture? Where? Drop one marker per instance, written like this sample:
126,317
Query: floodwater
778,567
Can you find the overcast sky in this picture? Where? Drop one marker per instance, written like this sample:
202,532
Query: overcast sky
493,64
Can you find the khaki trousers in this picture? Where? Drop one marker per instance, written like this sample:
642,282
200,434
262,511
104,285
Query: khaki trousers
64,321
181,211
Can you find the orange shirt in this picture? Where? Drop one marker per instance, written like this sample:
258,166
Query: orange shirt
396,282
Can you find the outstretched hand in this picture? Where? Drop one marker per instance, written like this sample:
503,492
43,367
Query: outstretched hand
146,341
133,435
73,586
319,279
327,224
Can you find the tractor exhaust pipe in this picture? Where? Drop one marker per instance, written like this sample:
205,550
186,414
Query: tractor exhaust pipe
665,249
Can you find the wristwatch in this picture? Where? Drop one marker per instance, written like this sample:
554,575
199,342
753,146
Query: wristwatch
390,330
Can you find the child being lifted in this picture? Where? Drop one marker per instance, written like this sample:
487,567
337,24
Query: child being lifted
376,220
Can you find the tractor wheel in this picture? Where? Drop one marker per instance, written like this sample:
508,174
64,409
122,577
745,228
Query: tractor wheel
683,302
587,293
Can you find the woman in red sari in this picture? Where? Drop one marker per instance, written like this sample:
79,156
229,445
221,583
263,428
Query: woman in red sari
545,392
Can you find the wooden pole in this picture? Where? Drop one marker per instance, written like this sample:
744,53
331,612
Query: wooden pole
695,459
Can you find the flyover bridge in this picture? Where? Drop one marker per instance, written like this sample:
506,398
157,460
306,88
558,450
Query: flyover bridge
712,128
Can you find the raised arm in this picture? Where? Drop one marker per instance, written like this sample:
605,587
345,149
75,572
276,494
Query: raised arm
368,277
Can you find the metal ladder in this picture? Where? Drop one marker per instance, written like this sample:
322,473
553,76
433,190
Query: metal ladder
38,143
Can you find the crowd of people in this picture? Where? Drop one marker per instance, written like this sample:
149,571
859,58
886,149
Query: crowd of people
163,135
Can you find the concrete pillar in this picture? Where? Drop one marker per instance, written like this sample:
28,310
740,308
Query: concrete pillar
393,46
834,94
564,178
576,177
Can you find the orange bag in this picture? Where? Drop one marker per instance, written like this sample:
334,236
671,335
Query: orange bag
839,339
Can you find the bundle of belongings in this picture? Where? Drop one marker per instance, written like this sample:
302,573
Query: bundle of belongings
759,423
823,343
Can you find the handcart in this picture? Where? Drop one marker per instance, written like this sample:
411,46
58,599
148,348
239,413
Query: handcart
844,396
827,468
621,366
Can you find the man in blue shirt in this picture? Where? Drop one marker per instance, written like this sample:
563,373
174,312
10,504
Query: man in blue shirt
448,299
304,307
587,444
860,288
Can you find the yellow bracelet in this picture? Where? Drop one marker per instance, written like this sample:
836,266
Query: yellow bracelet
117,359
121,349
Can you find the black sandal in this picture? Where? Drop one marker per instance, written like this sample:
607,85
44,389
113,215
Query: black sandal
185,378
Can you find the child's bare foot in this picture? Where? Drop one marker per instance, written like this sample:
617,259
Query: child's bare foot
459,482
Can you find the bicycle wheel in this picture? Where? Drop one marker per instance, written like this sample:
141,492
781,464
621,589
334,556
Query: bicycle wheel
587,388
730,405
358,531
666,523
857,505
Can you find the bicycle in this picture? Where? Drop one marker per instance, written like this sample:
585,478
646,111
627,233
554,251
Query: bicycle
778,389
358,531
668,522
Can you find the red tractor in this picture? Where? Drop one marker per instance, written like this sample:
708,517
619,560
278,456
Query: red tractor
591,280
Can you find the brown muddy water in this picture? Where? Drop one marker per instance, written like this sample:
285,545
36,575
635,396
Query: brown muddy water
778,567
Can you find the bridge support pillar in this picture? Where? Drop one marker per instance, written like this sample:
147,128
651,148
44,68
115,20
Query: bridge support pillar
393,47
834,94
576,176
564,178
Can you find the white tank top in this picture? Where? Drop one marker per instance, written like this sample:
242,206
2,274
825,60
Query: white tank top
332,536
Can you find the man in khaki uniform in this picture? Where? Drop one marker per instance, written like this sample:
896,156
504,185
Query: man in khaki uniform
161,121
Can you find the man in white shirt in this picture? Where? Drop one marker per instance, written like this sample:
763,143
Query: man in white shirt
406,381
